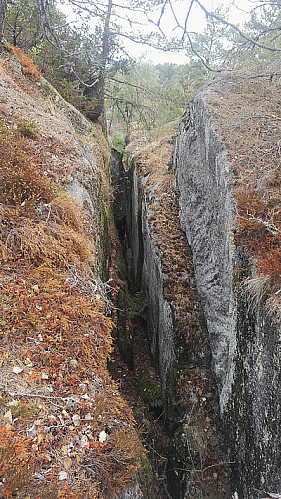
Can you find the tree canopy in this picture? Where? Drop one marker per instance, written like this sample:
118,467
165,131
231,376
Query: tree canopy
88,62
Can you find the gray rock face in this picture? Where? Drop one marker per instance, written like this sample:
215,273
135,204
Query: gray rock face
133,492
177,334
206,212
253,414
88,192
160,321
146,270
244,339
120,193
134,229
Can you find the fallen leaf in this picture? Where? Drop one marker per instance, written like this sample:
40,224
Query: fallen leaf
28,362
8,417
44,376
67,462
73,363
40,438
38,422
62,475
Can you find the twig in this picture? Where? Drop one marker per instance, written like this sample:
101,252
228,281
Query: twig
215,465
270,226
49,213
269,495
37,395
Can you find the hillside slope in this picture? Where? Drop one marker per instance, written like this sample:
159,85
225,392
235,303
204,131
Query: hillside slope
64,429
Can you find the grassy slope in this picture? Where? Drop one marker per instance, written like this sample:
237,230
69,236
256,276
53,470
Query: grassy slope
64,429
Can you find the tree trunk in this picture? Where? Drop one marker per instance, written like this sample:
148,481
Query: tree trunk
105,46
94,106
3,9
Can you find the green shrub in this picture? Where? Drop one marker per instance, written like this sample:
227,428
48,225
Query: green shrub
27,129
118,143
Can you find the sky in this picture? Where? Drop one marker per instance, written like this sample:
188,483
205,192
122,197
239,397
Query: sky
196,23
237,13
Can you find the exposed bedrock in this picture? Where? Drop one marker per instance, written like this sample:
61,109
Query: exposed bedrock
206,214
177,333
215,339
244,333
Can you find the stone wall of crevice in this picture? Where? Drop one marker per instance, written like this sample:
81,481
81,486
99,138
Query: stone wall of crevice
176,331
215,340
244,334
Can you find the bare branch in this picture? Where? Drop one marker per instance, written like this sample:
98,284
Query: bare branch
187,15
133,85
200,57
235,28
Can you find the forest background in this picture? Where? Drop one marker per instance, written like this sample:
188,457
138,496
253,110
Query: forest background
81,47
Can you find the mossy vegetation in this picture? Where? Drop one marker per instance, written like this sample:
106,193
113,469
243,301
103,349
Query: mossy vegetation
147,480
137,306
78,121
118,143
27,128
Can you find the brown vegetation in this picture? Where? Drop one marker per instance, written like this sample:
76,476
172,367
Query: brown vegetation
65,432
247,113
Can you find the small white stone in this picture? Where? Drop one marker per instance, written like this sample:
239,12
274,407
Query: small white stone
17,370
102,436
8,417
76,419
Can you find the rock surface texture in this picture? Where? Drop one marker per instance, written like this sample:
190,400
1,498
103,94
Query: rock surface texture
176,329
211,271
225,162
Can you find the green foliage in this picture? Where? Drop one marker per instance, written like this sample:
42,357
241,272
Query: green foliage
27,128
148,387
211,44
147,481
137,306
118,142
24,28
264,28
149,97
